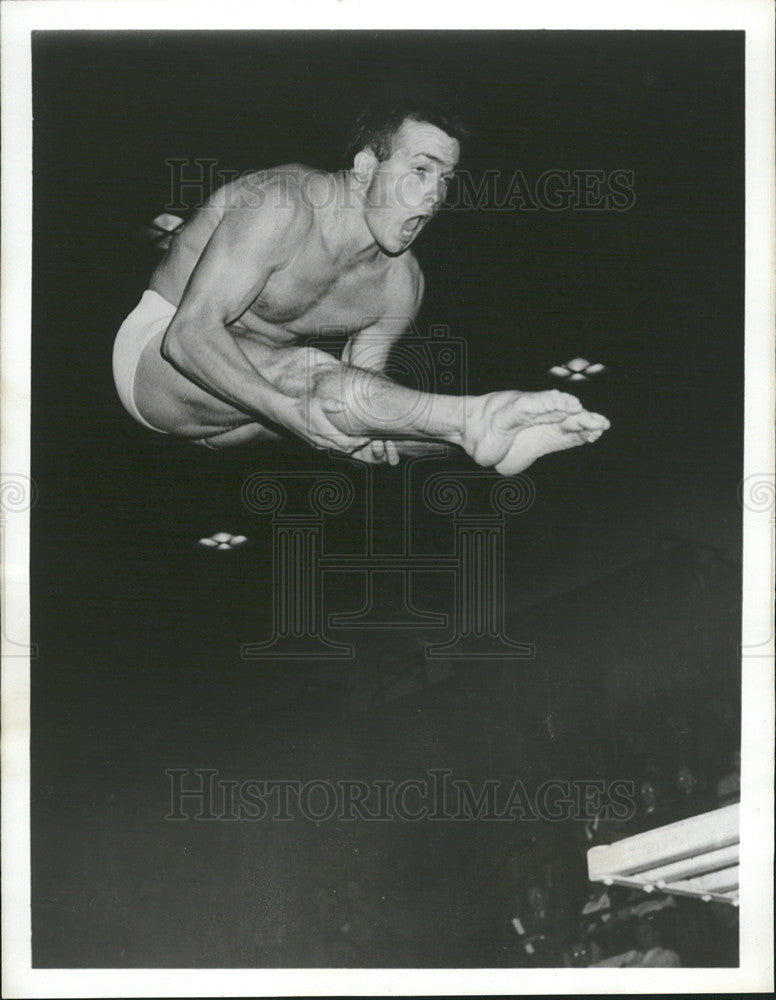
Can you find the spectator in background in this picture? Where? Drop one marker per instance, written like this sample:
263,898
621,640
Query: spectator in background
538,927
653,805
651,944
693,797
647,949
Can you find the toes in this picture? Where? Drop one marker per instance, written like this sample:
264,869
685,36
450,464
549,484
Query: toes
516,413
538,404
565,401
545,402
592,426
529,403
588,421
601,423
551,417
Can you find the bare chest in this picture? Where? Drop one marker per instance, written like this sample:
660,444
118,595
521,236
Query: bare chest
309,295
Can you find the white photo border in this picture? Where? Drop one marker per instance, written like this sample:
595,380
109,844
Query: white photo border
18,21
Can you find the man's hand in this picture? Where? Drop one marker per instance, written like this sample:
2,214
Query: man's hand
378,452
308,419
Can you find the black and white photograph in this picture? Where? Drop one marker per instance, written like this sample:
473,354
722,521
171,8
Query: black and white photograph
387,528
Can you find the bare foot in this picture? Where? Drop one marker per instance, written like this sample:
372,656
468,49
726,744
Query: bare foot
493,420
531,443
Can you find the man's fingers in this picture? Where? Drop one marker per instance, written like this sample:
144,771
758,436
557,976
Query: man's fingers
376,452
346,445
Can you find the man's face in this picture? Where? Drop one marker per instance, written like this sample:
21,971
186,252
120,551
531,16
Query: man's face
408,188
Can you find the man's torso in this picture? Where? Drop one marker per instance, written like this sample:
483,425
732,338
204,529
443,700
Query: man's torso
307,291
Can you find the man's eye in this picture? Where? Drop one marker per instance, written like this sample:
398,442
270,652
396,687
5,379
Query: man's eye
421,170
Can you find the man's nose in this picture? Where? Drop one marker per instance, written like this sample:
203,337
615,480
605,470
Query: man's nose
435,197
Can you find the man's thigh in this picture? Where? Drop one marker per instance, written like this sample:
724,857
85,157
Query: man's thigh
253,433
176,405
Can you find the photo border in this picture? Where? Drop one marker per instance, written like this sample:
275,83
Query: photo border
19,20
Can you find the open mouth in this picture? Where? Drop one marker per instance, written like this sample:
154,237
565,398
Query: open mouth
411,226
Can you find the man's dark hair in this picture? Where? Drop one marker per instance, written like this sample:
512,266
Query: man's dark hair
377,126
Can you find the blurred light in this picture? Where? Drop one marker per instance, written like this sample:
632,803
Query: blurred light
223,540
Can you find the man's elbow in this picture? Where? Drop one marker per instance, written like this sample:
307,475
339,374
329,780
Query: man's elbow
176,348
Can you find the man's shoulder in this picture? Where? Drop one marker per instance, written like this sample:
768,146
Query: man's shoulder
288,186
405,277
282,196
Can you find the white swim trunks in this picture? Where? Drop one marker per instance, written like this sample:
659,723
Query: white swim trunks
152,315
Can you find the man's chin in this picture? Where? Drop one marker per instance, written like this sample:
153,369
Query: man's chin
403,243
396,248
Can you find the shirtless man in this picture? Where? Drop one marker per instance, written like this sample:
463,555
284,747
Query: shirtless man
217,350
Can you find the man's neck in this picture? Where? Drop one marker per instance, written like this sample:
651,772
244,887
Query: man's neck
345,231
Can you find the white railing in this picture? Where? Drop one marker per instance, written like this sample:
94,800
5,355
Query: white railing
693,857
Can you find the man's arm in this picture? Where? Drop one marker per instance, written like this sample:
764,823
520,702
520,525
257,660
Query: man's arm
370,349
327,403
244,250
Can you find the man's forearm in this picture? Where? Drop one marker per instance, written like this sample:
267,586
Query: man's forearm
214,360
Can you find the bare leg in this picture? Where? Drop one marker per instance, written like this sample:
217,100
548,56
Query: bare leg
244,434
174,404
492,428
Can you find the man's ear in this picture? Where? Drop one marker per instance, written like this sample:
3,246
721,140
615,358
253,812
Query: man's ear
364,165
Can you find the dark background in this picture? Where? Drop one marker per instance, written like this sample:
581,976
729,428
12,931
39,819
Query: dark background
624,573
